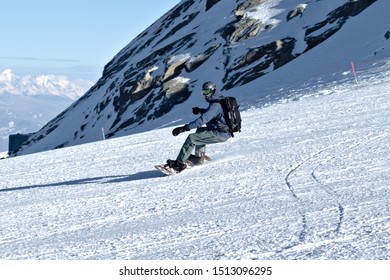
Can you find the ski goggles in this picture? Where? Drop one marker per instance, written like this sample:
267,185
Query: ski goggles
207,91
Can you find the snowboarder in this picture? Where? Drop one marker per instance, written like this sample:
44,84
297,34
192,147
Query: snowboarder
215,131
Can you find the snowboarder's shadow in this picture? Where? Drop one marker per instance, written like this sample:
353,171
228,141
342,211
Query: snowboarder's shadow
143,175
102,180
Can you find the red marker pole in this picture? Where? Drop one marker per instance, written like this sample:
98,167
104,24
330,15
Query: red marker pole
354,72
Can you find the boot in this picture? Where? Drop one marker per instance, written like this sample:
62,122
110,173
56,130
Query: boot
176,165
194,160
201,156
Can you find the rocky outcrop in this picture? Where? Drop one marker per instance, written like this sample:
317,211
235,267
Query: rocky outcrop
298,11
257,62
335,20
211,3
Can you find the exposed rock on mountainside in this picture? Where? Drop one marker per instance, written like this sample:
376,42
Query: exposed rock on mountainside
387,35
335,20
234,43
298,11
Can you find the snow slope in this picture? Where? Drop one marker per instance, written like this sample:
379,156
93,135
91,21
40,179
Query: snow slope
307,178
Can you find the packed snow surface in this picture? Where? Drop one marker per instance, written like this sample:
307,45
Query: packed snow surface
307,178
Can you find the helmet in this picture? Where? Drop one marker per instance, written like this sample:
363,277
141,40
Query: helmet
209,86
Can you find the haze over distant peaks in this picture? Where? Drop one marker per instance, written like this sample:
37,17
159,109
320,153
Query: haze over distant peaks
43,85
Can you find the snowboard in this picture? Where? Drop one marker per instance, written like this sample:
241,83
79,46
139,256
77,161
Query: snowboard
164,168
192,161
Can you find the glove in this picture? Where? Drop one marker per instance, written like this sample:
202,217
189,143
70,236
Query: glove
180,129
197,110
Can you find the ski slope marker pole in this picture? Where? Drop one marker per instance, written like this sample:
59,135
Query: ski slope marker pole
354,72
104,135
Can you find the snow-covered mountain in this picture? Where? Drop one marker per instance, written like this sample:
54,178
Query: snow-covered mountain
41,85
250,48
29,102
307,179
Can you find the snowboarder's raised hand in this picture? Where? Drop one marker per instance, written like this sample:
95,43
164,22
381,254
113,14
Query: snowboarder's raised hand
180,129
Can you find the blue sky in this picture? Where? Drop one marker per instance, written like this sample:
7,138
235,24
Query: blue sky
71,37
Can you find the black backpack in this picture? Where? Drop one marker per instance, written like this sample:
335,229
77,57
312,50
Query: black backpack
231,113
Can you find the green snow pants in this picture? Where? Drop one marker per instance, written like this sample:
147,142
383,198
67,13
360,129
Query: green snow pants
198,140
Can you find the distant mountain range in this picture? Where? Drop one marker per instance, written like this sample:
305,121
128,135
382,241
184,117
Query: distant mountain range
41,85
250,48
27,103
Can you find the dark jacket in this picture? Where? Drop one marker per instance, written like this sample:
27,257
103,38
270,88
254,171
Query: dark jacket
213,118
